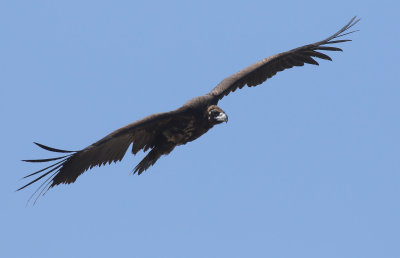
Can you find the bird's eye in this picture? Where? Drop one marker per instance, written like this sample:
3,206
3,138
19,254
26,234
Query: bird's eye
214,112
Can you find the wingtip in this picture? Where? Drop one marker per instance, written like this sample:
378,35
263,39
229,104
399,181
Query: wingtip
52,149
355,17
19,189
353,22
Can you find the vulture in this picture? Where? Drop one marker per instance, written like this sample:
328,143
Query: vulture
160,133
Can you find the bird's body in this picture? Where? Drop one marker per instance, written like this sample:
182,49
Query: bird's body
160,133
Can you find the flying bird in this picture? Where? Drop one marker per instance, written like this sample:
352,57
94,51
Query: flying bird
160,133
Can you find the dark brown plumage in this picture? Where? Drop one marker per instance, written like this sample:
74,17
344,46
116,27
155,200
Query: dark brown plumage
161,133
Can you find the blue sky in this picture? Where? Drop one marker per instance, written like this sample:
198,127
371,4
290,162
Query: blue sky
307,165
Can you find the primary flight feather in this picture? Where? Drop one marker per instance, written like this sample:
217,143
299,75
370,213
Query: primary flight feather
160,133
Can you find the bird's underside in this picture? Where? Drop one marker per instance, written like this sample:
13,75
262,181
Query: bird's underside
160,133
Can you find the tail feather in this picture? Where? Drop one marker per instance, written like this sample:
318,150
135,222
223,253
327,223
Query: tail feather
152,157
148,161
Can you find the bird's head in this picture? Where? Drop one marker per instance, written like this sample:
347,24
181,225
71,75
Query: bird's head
216,115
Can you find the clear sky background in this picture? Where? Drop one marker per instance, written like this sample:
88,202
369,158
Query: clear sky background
307,166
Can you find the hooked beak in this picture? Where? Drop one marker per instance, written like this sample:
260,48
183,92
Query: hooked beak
222,117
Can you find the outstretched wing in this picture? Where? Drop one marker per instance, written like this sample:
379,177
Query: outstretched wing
261,71
111,148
